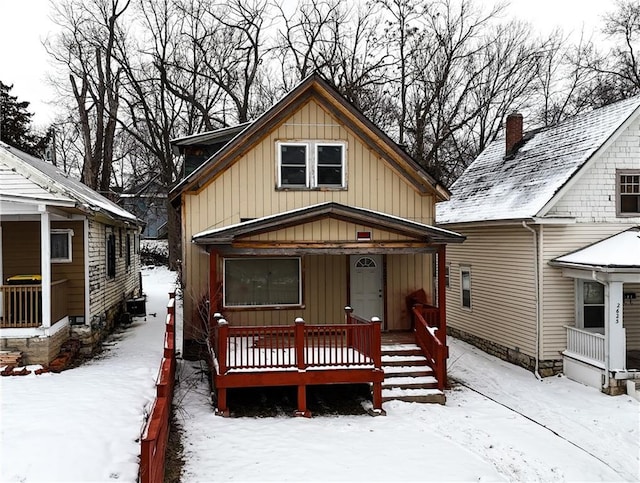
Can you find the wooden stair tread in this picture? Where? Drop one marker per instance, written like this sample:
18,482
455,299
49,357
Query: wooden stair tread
410,380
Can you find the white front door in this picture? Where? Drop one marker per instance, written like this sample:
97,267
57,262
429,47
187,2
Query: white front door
367,297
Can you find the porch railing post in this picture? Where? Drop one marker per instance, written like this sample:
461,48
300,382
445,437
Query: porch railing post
442,294
376,355
301,364
299,342
222,344
347,320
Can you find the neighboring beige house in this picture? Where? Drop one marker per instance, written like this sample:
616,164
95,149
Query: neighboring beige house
521,286
304,211
69,258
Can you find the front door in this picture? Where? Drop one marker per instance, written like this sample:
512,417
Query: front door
367,297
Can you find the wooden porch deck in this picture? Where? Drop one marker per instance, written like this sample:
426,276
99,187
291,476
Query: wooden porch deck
303,355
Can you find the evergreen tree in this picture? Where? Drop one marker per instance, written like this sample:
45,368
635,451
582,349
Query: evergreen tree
15,123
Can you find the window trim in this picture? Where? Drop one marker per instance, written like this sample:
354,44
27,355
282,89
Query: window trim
619,174
110,255
69,233
465,269
580,306
299,304
311,165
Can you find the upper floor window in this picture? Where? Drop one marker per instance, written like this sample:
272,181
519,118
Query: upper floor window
628,192
61,246
313,164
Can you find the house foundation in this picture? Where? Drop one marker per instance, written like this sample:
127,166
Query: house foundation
546,368
37,349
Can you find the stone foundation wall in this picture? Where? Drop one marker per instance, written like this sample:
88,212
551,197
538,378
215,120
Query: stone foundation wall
545,368
37,350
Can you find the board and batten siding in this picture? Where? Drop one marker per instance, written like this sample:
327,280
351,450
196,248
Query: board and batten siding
406,274
73,272
247,189
559,298
503,300
106,293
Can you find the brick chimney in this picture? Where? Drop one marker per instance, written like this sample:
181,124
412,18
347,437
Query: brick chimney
514,131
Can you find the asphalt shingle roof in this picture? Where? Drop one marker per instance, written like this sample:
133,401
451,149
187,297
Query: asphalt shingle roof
499,187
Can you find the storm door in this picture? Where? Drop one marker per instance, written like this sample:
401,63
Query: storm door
367,291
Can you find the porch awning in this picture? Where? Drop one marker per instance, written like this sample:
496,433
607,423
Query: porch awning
619,253
412,236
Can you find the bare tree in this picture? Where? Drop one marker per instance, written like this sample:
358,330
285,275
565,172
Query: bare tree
85,47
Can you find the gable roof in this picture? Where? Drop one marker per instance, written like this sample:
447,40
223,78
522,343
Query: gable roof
376,219
621,251
520,186
29,179
320,90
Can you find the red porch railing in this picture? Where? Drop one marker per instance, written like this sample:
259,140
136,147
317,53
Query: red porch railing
155,433
296,355
432,340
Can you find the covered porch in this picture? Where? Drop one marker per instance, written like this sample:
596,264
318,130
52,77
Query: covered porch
41,278
603,343
317,315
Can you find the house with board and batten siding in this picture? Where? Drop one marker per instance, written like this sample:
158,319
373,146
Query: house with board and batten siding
306,230
69,259
549,275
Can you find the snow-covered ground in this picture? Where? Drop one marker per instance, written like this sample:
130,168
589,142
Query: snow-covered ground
500,423
84,424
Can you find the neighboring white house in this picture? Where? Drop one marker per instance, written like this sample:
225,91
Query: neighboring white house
539,281
69,258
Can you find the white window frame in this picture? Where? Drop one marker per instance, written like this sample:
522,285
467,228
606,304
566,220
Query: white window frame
619,174
311,164
463,270
69,233
580,306
266,306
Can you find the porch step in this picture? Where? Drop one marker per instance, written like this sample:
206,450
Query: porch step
408,376
633,388
434,396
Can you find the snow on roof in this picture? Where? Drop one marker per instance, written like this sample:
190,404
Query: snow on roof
59,184
618,251
499,187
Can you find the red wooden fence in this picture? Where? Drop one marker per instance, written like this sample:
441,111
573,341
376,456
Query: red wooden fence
155,433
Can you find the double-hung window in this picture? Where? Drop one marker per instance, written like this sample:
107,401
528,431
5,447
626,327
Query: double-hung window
465,287
591,304
311,165
628,192
61,246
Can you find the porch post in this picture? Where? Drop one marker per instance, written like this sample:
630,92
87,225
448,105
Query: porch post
614,328
45,266
213,283
442,295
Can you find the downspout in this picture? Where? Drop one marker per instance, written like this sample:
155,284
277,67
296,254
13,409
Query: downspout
537,292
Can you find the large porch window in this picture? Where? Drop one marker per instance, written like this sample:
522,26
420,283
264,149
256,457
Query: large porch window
262,282
591,304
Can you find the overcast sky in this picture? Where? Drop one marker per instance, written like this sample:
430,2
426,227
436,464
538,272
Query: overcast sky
24,24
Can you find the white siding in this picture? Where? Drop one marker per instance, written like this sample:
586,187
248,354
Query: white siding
105,293
592,199
559,291
503,308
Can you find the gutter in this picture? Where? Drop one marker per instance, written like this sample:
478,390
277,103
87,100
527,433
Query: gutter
537,283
